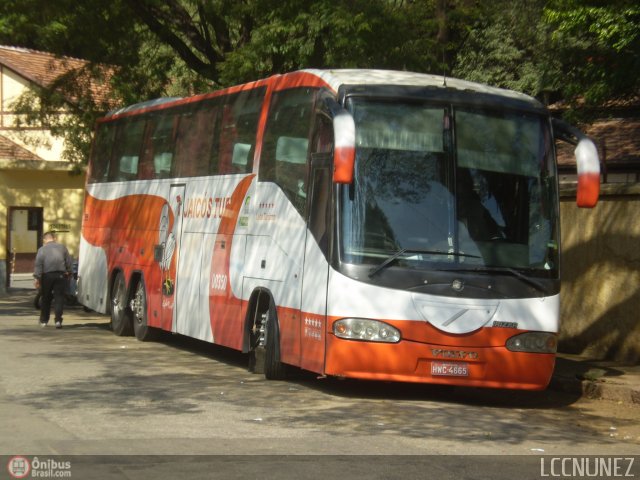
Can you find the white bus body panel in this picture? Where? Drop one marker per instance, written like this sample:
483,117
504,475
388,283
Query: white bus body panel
274,250
350,298
93,292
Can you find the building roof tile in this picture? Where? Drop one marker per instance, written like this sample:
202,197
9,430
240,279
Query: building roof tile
44,68
10,150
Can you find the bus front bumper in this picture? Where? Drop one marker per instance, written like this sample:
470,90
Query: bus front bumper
409,361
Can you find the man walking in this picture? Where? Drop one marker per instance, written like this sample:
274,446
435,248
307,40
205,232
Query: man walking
53,266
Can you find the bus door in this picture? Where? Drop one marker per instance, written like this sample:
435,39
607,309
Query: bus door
170,266
313,307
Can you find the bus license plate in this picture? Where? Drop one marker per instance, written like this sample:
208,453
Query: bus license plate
450,369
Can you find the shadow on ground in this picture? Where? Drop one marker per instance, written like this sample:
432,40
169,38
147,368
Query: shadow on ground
178,376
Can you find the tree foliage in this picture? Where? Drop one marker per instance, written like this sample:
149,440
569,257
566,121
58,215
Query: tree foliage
555,49
598,43
509,46
570,50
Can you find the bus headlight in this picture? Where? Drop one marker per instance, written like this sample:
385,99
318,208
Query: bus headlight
365,329
534,342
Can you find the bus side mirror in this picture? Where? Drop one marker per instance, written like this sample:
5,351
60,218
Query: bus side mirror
587,162
344,150
588,165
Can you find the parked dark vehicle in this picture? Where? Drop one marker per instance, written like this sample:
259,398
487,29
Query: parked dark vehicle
69,294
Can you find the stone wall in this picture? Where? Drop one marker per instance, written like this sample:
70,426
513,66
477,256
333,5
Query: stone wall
600,306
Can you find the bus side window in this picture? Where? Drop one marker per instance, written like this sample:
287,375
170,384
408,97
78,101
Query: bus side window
101,153
127,149
323,135
194,142
145,165
211,163
319,204
159,145
286,143
238,131
227,136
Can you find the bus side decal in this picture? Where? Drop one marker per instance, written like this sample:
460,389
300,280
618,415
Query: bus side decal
225,309
117,223
116,226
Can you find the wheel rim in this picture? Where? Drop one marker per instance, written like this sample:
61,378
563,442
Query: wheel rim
139,304
118,301
258,332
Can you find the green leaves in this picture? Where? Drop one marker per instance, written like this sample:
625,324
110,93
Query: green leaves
599,46
572,50
581,52
615,28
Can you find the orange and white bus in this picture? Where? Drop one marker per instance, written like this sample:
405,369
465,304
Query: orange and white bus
355,223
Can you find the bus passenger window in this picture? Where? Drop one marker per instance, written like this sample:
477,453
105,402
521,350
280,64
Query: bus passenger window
145,165
238,131
193,152
127,149
319,209
286,143
240,158
323,135
291,165
101,154
163,144
162,164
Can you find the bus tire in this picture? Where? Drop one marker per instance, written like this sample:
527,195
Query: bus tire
143,332
274,369
120,313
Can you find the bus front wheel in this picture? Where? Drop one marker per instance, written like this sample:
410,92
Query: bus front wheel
274,369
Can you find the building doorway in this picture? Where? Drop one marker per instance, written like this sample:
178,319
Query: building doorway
23,240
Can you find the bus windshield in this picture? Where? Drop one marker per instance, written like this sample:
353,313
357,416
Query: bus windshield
451,187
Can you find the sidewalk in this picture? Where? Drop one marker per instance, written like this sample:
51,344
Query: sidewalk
597,378
573,373
21,281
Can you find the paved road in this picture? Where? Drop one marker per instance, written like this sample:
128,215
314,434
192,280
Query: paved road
83,391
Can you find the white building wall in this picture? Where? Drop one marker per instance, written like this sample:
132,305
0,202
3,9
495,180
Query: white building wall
38,141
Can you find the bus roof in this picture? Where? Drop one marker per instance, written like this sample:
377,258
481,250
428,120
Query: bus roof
339,77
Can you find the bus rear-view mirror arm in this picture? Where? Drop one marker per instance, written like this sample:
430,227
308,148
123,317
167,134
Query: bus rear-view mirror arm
587,162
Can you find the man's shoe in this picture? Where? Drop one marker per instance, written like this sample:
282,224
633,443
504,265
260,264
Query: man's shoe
58,324
43,324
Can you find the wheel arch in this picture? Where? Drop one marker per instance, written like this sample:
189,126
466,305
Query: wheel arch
134,278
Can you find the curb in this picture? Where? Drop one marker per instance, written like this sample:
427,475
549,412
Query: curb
601,389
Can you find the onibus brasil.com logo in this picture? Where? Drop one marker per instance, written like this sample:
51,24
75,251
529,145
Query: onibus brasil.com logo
22,467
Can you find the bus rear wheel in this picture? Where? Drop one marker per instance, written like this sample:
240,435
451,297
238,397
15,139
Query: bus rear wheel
120,313
138,305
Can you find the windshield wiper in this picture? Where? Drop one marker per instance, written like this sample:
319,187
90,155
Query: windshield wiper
511,271
402,251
